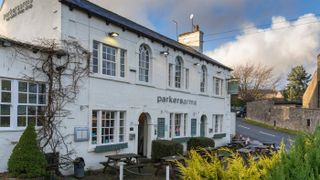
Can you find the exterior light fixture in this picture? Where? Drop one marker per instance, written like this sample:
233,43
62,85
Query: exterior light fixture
113,34
196,64
165,53
219,72
6,44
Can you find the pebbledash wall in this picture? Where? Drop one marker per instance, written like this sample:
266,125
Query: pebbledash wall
119,109
284,115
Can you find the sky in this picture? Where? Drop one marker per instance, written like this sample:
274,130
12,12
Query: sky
277,33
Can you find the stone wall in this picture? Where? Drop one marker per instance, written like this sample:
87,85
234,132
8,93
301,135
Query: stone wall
285,116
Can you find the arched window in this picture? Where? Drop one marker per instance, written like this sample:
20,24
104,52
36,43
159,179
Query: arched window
144,63
178,72
203,80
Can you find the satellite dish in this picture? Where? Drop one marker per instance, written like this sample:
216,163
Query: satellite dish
191,16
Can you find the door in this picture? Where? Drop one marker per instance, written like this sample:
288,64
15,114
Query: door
203,126
143,135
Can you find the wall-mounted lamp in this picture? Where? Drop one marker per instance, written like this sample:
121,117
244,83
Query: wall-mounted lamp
196,64
219,72
6,44
113,34
165,53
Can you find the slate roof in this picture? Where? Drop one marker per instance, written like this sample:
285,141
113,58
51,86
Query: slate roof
110,17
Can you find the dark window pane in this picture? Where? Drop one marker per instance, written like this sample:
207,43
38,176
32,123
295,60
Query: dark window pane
39,121
42,99
6,97
22,110
42,88
4,121
32,88
6,85
22,121
32,98
31,120
31,110
22,98
22,86
5,110
41,110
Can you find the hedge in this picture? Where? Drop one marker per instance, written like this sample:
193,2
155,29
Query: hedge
163,148
199,142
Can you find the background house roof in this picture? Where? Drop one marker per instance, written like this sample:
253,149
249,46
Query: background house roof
126,24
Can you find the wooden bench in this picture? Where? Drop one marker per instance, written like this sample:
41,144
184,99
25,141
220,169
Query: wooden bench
107,164
138,166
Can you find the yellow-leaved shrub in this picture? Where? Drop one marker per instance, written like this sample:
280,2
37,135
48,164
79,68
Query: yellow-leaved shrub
232,167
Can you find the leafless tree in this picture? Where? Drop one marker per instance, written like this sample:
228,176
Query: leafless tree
63,66
253,78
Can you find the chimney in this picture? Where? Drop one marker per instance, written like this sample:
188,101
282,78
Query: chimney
193,39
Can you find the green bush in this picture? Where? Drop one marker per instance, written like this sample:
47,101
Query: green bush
26,160
302,161
199,142
163,148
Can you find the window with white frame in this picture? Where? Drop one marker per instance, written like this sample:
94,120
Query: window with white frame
218,123
203,80
185,121
31,103
178,72
121,126
95,57
108,60
5,103
94,127
28,107
107,127
178,125
123,57
170,75
218,86
187,79
144,63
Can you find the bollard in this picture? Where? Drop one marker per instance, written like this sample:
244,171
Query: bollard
121,164
167,173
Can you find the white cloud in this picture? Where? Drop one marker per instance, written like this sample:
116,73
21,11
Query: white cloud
277,46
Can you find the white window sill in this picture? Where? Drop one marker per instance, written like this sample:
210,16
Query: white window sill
107,77
178,89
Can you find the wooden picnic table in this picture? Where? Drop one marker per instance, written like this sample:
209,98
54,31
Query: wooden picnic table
171,162
130,160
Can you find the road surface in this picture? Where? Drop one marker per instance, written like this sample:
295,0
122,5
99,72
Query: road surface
263,134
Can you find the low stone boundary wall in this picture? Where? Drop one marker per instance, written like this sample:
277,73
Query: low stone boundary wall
285,116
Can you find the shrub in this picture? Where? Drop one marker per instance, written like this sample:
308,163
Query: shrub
199,142
26,160
210,167
163,148
302,161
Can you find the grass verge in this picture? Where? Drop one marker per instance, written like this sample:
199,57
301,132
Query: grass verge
264,125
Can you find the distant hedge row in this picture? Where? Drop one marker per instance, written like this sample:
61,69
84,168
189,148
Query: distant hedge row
163,148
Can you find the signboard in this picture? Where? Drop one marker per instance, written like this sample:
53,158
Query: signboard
233,86
81,134
19,9
175,100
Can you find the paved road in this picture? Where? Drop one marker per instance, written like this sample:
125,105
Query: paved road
262,134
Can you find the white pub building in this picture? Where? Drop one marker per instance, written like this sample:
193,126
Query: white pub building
142,85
